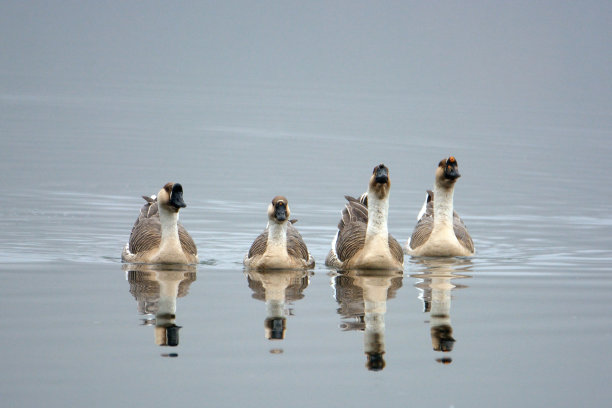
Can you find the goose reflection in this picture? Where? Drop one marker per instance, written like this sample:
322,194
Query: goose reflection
277,288
362,296
435,284
156,289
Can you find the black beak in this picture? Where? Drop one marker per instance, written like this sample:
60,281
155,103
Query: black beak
176,197
280,212
381,174
452,172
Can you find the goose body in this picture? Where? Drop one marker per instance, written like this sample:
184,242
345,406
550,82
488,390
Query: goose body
157,237
363,240
439,230
280,246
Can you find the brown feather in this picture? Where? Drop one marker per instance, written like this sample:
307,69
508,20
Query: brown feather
351,238
353,211
295,243
186,241
396,249
259,245
423,228
462,234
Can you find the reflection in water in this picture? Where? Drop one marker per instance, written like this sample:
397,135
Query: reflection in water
436,286
276,288
362,296
156,288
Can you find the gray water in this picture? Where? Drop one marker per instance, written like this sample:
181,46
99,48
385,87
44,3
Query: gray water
103,103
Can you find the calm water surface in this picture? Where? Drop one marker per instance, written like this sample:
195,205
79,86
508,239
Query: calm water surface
525,322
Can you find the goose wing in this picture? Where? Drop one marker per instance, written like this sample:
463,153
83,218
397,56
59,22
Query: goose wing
462,234
424,225
354,211
259,245
295,243
350,240
351,229
396,249
186,241
146,232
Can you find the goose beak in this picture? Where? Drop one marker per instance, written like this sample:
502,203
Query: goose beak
176,197
381,174
451,171
280,212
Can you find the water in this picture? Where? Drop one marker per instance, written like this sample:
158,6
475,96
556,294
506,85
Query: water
525,322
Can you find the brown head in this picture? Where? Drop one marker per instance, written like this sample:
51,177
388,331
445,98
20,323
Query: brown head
447,172
380,182
278,210
170,197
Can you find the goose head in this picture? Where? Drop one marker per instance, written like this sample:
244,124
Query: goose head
278,210
380,182
447,172
170,197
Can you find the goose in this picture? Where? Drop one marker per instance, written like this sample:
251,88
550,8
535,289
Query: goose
157,237
363,240
280,246
439,230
